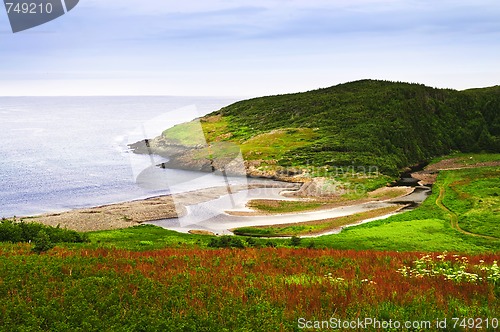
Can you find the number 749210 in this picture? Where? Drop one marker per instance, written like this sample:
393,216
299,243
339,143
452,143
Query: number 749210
29,8
476,323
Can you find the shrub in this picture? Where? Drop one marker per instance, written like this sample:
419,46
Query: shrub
226,241
251,242
42,243
10,232
270,244
25,232
295,241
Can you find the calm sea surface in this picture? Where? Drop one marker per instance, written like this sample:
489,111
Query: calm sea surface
59,153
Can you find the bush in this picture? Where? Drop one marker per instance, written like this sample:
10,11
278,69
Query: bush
295,241
42,243
226,241
15,232
9,232
251,242
270,244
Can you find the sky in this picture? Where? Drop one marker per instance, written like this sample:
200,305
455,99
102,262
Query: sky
251,48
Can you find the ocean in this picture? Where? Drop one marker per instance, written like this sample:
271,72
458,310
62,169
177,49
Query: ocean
61,153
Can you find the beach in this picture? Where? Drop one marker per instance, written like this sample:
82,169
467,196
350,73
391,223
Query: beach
133,213
213,210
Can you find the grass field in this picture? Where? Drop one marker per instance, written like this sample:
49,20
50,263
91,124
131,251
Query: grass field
429,228
236,289
474,195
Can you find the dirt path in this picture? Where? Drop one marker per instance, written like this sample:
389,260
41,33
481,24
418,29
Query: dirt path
454,217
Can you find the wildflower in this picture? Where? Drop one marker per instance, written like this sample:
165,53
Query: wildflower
441,257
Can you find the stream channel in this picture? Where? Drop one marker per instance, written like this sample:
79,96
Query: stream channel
211,216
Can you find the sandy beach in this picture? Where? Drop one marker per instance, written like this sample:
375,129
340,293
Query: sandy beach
162,209
133,213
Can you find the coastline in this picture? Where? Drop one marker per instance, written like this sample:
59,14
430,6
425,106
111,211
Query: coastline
135,212
149,210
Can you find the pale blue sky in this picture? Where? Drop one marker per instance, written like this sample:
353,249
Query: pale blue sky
251,48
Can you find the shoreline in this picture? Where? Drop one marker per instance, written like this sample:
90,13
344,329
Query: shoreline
217,221
133,213
173,206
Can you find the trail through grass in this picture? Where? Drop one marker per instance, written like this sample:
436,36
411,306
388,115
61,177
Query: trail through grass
454,217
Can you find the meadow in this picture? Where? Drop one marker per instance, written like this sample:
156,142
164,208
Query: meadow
266,289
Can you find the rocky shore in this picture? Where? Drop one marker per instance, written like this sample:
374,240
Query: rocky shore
220,157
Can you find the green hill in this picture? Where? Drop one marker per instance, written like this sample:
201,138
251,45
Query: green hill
366,123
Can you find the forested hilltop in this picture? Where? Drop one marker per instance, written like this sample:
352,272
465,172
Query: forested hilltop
390,125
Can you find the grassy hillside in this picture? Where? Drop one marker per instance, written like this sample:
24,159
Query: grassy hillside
461,215
364,123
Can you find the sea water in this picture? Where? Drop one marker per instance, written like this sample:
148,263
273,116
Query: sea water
60,153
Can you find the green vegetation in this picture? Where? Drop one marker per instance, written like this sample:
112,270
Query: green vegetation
474,196
469,194
42,243
312,227
227,241
275,144
16,232
277,206
267,289
187,134
146,237
361,124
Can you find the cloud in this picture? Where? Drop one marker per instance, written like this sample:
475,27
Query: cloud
243,41
239,21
